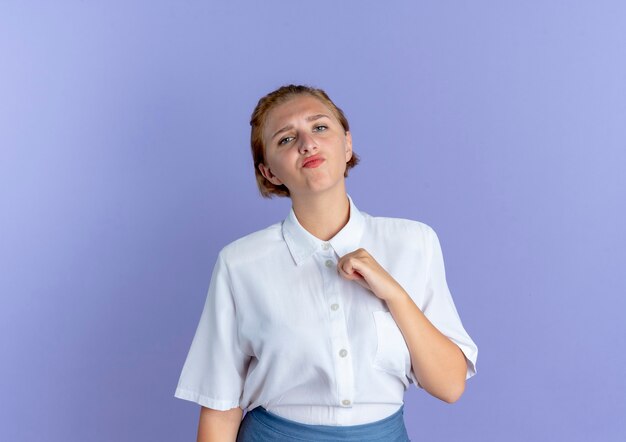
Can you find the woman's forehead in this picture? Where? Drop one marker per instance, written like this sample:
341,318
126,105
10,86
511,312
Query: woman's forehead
297,107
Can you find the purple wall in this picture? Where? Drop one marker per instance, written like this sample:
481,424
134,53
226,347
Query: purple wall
125,167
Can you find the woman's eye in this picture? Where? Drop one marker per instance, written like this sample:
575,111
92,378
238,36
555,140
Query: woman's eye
284,140
321,127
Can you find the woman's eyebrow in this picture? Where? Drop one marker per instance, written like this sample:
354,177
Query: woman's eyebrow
309,118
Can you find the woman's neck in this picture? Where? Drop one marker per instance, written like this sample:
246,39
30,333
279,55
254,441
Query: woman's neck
323,214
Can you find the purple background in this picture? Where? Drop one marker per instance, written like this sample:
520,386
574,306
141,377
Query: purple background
125,167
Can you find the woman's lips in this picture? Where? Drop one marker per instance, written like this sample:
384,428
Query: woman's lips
314,163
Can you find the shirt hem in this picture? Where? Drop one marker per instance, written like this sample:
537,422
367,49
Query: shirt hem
206,401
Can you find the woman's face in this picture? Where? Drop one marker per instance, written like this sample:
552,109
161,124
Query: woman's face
296,130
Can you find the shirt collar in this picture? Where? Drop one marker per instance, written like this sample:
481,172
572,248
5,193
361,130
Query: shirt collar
303,244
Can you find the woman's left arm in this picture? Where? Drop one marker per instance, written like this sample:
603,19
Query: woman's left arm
437,362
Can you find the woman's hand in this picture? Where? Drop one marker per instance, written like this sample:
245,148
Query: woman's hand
361,267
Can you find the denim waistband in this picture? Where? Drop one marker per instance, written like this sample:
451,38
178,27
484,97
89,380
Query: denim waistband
390,428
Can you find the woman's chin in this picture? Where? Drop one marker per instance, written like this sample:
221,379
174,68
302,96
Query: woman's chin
318,186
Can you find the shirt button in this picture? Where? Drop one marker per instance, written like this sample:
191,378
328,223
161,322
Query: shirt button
329,263
334,306
343,352
325,246
345,402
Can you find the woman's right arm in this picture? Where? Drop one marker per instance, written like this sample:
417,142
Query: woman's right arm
216,425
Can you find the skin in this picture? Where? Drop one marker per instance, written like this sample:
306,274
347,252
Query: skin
322,207
219,426
318,194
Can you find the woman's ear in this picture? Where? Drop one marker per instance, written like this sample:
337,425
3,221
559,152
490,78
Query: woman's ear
348,146
268,175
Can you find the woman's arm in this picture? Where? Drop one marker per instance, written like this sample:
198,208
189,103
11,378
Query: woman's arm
438,363
219,426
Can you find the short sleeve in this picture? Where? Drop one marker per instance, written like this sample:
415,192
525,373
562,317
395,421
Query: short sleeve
215,369
439,307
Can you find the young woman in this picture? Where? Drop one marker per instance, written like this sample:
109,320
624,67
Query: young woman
318,324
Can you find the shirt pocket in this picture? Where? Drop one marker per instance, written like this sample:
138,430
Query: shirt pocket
392,354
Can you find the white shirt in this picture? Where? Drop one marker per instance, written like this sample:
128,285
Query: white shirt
282,329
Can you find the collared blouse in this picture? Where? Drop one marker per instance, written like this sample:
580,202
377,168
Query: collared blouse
282,329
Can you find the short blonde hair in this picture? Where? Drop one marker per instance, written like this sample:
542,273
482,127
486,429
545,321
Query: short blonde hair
257,123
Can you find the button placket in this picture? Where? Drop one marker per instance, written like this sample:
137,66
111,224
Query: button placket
340,343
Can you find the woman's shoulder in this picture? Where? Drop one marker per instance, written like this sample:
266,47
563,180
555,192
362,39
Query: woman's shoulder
400,233
253,244
399,225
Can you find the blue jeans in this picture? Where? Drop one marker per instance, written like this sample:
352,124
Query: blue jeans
259,425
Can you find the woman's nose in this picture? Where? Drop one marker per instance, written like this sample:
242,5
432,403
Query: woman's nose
307,143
